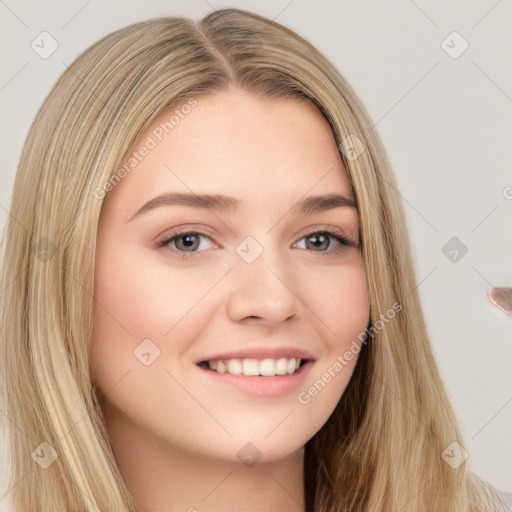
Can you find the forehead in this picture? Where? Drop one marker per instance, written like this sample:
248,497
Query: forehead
234,143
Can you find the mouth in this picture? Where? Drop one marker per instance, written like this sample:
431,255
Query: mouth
250,367
260,378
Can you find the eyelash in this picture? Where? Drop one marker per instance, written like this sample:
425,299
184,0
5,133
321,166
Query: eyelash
344,242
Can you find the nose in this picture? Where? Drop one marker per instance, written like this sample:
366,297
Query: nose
262,292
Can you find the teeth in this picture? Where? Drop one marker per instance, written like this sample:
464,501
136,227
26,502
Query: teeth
267,367
234,366
254,367
281,366
250,367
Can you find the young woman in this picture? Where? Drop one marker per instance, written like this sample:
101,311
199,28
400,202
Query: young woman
209,301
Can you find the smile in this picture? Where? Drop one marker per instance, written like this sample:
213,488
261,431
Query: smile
254,367
263,380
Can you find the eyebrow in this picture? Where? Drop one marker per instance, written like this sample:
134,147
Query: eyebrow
219,202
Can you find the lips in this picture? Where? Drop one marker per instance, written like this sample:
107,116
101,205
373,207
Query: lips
259,386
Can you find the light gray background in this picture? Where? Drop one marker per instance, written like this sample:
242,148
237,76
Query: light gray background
446,123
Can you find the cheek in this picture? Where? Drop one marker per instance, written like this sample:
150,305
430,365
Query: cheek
339,299
138,298
347,303
143,297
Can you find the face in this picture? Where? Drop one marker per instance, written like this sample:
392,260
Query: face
262,282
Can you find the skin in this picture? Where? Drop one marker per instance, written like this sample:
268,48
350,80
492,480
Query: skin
174,431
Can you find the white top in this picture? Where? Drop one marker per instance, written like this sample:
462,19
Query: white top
506,498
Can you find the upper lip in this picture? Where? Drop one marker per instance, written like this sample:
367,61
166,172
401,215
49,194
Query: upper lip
261,353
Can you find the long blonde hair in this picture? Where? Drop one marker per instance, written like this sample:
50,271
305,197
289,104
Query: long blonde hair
381,448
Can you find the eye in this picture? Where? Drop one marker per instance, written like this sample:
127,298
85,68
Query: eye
323,240
188,243
185,242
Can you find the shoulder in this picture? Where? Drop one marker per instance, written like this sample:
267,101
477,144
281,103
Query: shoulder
506,498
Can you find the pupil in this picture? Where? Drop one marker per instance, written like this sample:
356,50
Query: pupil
189,241
318,240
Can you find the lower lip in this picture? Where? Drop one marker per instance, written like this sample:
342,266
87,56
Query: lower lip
263,387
